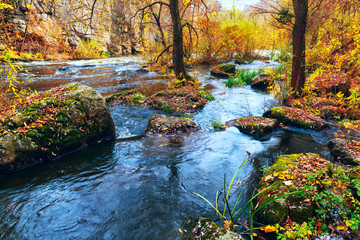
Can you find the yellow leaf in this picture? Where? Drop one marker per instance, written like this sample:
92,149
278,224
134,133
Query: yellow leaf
161,145
180,230
254,235
227,224
340,228
160,135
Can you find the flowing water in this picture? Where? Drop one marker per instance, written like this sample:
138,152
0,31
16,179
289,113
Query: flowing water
141,188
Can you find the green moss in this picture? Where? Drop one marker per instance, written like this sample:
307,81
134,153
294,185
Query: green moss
228,68
31,134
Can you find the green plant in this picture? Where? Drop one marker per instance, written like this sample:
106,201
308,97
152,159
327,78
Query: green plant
12,89
216,124
231,214
294,231
242,77
206,95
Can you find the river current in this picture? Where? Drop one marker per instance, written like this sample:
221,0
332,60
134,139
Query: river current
142,188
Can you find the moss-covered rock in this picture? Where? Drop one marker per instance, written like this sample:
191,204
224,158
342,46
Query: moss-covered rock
345,150
159,123
261,82
296,117
177,100
205,228
288,174
132,97
225,70
52,123
173,100
258,127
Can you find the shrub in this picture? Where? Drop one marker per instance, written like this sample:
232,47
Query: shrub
242,77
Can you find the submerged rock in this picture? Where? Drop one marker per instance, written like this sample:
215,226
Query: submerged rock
345,150
286,176
261,82
258,127
205,228
159,123
52,123
296,117
225,70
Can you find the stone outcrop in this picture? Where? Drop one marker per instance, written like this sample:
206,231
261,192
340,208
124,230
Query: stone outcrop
53,123
346,151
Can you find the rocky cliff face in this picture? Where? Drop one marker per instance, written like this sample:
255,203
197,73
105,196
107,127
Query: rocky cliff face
62,25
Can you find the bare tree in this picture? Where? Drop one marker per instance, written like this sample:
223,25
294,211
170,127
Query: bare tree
177,13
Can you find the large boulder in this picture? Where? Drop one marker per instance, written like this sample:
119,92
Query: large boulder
296,117
331,82
205,228
345,150
224,70
52,123
159,123
288,174
258,127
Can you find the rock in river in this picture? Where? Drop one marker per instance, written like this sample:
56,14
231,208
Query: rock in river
52,123
261,82
159,123
225,70
296,117
205,228
258,127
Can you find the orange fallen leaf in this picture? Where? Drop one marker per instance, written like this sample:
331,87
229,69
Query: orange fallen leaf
268,229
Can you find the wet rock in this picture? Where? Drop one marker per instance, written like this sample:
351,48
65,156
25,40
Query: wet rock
178,100
205,228
345,150
332,82
159,123
51,124
286,176
296,117
261,82
258,127
225,70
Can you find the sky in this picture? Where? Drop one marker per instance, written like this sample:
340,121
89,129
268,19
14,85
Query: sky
240,4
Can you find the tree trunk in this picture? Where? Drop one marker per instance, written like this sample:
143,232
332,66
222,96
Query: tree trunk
178,44
298,63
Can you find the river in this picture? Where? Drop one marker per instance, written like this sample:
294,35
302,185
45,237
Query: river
140,189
